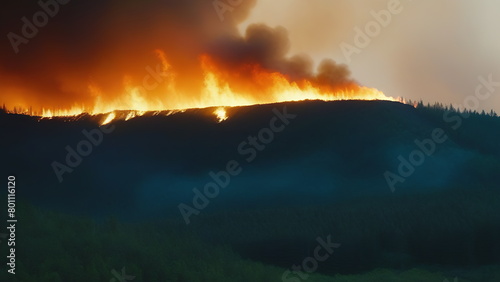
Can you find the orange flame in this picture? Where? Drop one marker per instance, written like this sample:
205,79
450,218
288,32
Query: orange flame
221,114
247,85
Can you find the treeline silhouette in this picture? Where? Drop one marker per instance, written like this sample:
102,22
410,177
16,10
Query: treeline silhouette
406,239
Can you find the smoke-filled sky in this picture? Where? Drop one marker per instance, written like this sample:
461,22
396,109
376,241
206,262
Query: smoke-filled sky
432,50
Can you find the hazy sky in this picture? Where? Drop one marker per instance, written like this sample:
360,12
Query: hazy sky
433,50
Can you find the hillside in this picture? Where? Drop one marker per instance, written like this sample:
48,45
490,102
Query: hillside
331,150
318,169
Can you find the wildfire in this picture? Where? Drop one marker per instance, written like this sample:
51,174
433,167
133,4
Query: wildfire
220,113
111,116
246,85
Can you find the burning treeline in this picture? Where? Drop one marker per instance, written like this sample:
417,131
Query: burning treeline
158,55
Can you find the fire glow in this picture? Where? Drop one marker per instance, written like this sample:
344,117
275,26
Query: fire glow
244,85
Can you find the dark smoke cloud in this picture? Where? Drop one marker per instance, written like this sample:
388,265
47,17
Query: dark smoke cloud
269,47
99,42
